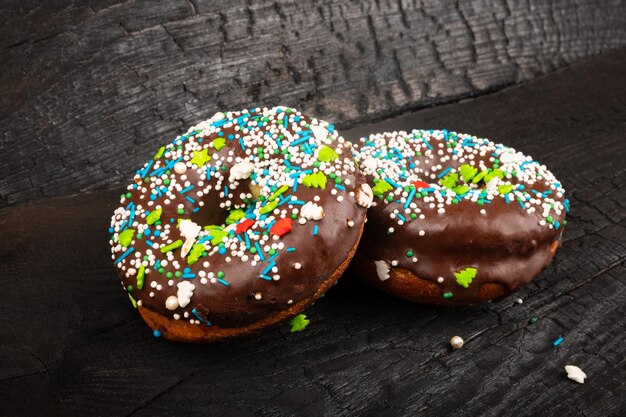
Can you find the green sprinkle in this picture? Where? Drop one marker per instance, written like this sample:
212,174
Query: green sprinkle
409,253
159,153
299,323
234,216
154,216
505,189
194,254
140,277
129,288
219,143
549,219
450,180
327,154
126,237
447,295
172,246
220,274
178,274
467,172
465,276
315,180
493,174
200,158
278,192
132,300
269,207
381,187
480,176
180,211
169,275
461,189
532,320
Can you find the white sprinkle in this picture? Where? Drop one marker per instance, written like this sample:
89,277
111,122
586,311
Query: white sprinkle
180,168
456,342
382,269
185,292
575,373
171,303
312,211
297,265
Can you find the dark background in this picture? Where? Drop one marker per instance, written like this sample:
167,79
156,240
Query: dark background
89,90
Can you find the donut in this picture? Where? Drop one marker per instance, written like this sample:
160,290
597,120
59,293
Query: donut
239,224
456,219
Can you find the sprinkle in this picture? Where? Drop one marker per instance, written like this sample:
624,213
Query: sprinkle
558,341
184,190
124,255
444,172
259,251
456,342
299,323
172,246
156,333
393,183
223,282
315,230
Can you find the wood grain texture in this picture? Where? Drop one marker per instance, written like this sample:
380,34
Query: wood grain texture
71,344
88,90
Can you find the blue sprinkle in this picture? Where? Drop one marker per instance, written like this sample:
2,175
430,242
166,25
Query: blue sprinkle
268,268
557,225
225,191
111,230
247,240
147,232
401,217
243,146
195,313
315,230
157,265
392,182
184,190
410,197
196,209
124,255
223,282
558,341
222,250
191,200
149,243
291,249
444,172
299,141
340,187
156,333
566,205
189,276
259,251
265,277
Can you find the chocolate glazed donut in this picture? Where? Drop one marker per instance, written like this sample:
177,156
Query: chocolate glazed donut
456,219
239,224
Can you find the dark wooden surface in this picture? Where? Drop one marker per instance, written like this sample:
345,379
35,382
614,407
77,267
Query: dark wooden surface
72,344
89,89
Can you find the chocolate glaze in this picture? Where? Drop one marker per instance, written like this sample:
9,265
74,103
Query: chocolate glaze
247,298
505,243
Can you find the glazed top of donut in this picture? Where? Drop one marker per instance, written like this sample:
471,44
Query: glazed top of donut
466,201
243,216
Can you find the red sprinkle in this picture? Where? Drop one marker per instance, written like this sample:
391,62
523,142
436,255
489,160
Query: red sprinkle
421,184
244,226
281,227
